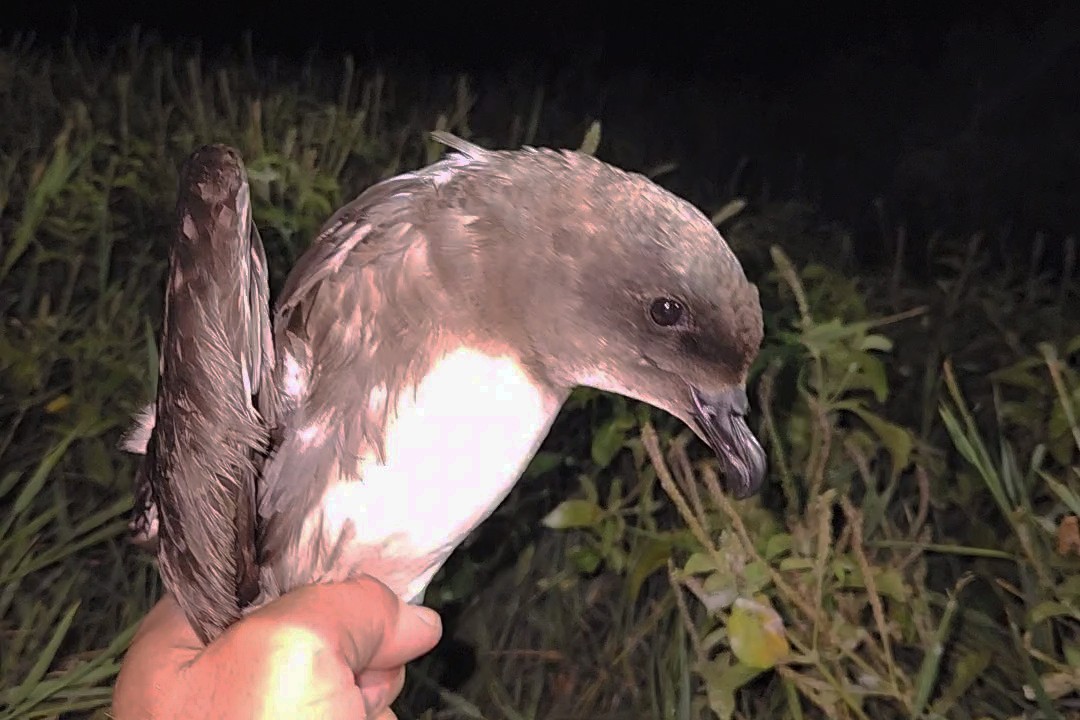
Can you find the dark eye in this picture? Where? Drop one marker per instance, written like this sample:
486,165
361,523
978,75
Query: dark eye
666,312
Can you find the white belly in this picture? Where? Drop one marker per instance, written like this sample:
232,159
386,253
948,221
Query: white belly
454,449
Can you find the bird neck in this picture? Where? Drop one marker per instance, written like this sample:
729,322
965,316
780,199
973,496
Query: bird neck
474,411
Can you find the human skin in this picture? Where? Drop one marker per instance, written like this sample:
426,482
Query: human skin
322,651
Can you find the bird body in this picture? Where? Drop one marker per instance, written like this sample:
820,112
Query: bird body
455,445
424,344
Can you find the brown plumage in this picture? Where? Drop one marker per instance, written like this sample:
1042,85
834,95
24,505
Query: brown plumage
208,440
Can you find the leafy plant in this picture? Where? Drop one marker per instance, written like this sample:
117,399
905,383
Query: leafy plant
819,601
915,553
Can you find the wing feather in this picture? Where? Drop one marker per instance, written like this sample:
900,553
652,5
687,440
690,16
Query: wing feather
216,353
324,337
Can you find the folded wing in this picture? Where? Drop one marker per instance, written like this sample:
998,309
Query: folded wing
209,438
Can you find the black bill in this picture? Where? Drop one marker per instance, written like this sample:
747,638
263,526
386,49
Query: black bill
721,420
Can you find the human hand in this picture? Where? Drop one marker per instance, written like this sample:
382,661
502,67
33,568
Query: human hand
322,651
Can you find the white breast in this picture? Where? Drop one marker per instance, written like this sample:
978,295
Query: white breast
454,448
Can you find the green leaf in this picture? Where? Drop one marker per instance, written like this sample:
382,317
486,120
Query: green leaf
575,513
790,564
1050,609
823,337
777,545
878,343
585,559
730,210
1021,375
1060,441
699,563
1064,492
592,139
890,583
756,577
45,659
722,679
47,188
607,442
874,377
897,439
927,677
721,589
542,463
1071,652
969,444
757,634
648,557
969,667
662,169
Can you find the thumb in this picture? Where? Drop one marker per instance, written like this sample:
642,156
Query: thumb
362,621
413,632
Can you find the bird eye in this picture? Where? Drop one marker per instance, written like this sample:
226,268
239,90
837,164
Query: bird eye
666,312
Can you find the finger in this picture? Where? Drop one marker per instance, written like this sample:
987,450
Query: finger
164,637
361,621
414,632
166,626
379,688
163,643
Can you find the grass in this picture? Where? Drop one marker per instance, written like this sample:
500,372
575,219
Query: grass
915,553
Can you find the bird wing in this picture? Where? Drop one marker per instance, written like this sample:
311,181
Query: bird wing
216,355
325,335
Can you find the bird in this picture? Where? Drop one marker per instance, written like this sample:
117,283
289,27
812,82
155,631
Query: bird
421,349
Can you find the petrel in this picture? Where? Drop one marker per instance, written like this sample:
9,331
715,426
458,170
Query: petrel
419,352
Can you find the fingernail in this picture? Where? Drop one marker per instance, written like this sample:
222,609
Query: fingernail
427,616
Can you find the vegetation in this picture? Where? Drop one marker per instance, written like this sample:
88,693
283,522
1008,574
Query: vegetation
914,555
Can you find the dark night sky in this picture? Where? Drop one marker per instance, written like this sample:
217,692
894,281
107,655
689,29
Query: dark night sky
765,41
847,101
